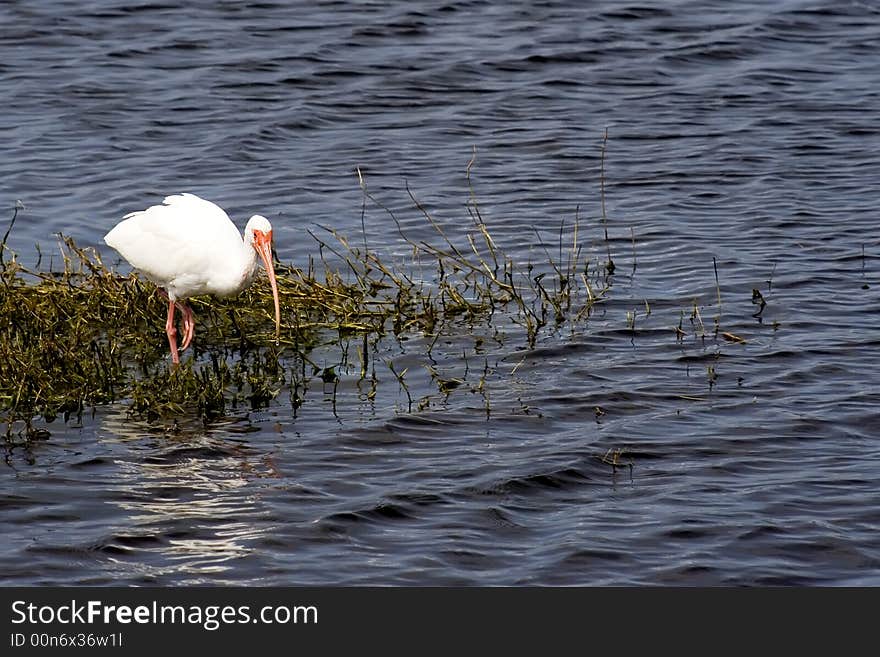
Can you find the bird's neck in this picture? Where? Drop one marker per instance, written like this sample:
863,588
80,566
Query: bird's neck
238,273
248,263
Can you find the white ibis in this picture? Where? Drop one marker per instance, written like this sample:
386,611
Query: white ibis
188,246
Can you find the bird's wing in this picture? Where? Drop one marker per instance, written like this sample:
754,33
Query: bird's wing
184,236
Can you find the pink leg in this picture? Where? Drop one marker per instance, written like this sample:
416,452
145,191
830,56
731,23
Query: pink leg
189,325
172,333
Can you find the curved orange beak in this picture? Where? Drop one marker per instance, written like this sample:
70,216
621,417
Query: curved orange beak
263,246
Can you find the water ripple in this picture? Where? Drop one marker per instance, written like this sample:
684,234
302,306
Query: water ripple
741,136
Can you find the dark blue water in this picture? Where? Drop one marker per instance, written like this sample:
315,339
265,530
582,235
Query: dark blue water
741,131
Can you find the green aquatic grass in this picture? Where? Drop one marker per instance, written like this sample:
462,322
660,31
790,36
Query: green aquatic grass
85,335
82,334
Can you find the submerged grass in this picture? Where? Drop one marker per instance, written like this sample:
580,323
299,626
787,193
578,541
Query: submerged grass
83,335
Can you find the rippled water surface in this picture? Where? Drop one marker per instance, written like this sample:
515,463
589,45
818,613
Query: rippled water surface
740,131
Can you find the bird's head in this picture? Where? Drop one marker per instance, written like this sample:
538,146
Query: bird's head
258,233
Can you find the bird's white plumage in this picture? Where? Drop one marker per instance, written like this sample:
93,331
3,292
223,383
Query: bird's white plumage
188,246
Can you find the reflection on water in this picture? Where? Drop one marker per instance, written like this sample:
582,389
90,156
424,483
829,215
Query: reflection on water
190,491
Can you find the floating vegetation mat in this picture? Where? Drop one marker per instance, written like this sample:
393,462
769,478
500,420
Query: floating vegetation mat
81,335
